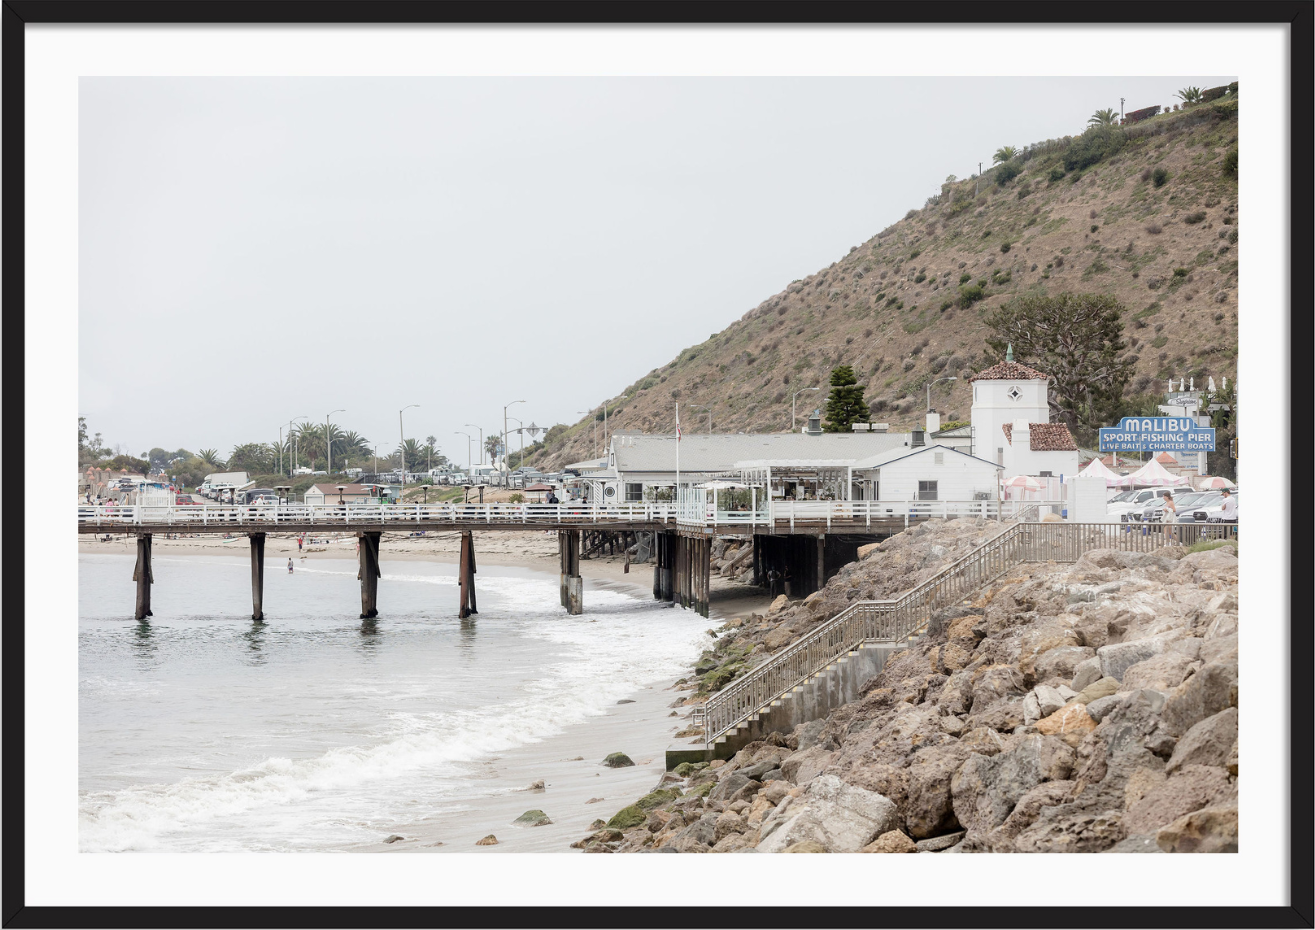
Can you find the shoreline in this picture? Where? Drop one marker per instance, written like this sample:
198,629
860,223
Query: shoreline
570,763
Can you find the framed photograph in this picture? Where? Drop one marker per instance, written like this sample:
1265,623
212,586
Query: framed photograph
849,421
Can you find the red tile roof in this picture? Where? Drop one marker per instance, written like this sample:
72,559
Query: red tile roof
1164,458
1045,437
1010,371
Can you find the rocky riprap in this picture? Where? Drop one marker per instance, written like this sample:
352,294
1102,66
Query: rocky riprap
1084,707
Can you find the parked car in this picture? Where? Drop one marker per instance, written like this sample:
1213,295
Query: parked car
186,500
1134,503
1208,509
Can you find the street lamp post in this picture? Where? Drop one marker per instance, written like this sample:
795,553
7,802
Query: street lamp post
401,450
506,446
328,439
294,444
481,441
793,419
937,381
707,407
467,435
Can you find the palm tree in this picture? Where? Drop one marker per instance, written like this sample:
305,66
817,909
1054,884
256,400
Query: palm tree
209,456
353,443
430,442
1189,95
1107,117
412,452
1003,154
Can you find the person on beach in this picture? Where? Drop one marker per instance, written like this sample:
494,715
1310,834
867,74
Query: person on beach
299,539
289,565
1168,515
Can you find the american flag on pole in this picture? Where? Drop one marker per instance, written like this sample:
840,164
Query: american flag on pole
677,424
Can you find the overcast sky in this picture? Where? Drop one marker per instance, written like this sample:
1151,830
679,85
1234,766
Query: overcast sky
253,250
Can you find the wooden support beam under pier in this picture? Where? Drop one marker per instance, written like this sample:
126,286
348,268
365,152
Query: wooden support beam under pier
369,574
572,585
466,582
257,575
143,575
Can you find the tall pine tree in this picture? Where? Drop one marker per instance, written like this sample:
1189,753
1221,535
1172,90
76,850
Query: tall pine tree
844,405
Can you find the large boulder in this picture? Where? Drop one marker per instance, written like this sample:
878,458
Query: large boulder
1190,788
1211,829
1117,658
1062,662
1040,638
1100,688
928,807
1025,813
1210,690
838,816
1070,723
1073,832
892,842
1208,742
995,684
1163,672
806,764
985,789
617,760
1085,673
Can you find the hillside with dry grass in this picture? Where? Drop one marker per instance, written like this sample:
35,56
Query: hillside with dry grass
1146,213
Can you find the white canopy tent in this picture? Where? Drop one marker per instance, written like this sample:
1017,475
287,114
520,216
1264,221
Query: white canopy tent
1153,474
1098,469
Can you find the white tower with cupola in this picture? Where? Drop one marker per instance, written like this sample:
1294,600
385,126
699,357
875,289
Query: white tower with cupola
1005,394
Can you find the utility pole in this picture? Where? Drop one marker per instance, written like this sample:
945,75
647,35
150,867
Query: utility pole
481,441
467,435
977,188
590,413
1121,99
506,446
401,450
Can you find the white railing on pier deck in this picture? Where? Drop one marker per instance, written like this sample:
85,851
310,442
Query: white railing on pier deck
776,515
901,619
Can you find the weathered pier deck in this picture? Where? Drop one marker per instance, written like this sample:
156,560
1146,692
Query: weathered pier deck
805,541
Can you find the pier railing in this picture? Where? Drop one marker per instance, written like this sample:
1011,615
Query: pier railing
902,619
775,516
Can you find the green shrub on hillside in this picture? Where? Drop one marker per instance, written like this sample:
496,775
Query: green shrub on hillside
1093,146
1005,246
1056,173
1230,164
969,294
1007,172
1193,218
1159,176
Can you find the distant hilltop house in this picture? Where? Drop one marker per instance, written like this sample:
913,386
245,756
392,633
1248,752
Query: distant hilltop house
1011,420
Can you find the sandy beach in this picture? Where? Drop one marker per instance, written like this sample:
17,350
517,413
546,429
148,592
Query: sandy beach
569,764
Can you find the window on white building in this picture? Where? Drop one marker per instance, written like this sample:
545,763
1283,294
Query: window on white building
940,457
1045,474
634,492
927,490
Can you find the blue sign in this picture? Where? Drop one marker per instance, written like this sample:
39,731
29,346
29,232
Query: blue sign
1159,434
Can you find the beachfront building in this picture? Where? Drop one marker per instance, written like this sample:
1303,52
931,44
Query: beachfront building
1011,422
643,467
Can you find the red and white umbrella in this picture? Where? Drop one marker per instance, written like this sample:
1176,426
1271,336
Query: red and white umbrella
1215,483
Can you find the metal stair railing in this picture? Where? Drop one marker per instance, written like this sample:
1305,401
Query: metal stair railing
902,618
892,620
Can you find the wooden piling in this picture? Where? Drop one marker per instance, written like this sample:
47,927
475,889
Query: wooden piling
257,575
143,575
466,581
572,585
369,574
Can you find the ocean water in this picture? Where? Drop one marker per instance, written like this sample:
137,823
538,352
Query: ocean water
200,730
